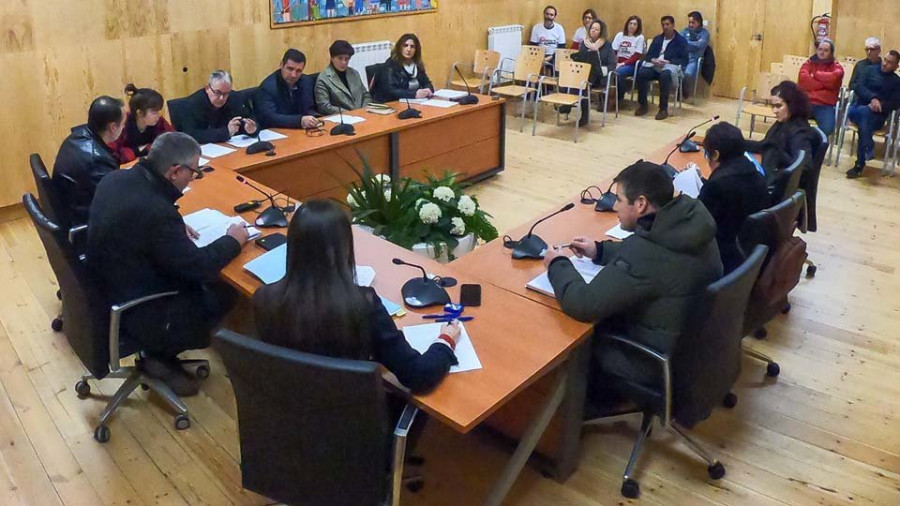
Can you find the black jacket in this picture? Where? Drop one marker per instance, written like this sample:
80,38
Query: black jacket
676,51
392,82
873,83
82,161
207,124
734,191
605,57
279,107
782,143
418,372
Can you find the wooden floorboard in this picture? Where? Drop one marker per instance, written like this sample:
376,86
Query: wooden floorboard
825,432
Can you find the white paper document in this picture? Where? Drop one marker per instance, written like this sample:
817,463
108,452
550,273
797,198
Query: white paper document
448,94
421,337
439,103
348,119
618,233
242,141
413,100
271,266
214,150
587,268
203,161
212,224
688,181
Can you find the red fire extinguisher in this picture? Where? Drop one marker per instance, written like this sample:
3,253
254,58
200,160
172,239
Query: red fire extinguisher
820,28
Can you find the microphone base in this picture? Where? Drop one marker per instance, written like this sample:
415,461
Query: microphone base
421,292
259,147
343,129
689,146
529,247
466,100
409,114
606,202
271,217
670,170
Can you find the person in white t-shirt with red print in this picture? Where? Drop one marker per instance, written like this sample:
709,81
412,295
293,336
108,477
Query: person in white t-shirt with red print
550,35
629,45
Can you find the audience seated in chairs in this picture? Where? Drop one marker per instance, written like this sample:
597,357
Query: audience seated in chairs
790,134
284,99
550,35
143,124
587,17
85,157
877,96
629,46
213,114
664,62
873,57
403,74
599,53
734,190
697,37
821,78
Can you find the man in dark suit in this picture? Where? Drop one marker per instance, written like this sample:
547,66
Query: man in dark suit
85,157
877,96
213,114
139,245
285,99
666,58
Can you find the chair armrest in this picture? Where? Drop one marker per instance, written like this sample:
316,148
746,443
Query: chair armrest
665,364
76,233
406,420
115,323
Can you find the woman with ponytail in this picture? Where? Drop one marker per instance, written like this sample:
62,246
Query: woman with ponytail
143,124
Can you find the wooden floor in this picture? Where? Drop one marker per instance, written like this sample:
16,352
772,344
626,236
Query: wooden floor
826,432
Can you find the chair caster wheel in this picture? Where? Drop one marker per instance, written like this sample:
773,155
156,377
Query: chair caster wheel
730,400
56,324
415,485
83,389
182,422
811,271
202,371
716,471
760,333
101,433
773,370
631,489
786,309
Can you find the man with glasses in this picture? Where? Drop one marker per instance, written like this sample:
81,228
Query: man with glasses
138,246
214,115
873,57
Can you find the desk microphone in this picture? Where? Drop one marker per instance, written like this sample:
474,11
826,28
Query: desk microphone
469,99
689,146
273,216
671,170
422,292
409,113
343,128
260,145
532,246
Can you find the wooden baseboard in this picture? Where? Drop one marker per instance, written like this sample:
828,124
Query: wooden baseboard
12,212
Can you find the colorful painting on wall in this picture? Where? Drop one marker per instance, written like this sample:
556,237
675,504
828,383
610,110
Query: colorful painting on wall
293,12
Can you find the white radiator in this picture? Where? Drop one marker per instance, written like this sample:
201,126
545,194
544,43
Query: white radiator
369,53
507,40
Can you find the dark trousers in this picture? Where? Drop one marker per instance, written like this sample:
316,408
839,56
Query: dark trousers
647,74
166,327
867,122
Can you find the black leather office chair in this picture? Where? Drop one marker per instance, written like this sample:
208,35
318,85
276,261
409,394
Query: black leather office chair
770,227
809,183
313,429
788,180
374,78
701,371
178,108
93,328
52,207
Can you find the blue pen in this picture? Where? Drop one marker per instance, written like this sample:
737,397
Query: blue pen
459,319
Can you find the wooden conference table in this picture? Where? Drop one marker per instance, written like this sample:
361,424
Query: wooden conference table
466,139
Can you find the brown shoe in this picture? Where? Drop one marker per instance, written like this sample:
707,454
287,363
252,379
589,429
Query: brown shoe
641,110
172,374
662,114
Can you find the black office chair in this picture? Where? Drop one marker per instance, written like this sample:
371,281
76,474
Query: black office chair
53,208
701,371
178,109
375,77
94,330
313,429
809,183
788,180
770,227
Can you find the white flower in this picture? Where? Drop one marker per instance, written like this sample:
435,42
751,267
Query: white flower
429,213
459,226
443,193
419,202
466,205
352,201
384,179
387,195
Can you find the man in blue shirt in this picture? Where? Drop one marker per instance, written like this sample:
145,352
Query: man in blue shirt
697,37
666,58
877,95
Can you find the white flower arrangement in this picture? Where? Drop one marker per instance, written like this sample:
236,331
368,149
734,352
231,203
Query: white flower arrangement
466,205
443,193
429,213
352,201
459,226
384,179
387,195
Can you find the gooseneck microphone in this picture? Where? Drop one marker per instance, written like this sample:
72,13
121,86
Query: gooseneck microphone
421,291
273,216
670,169
532,246
409,112
260,145
469,99
343,128
689,146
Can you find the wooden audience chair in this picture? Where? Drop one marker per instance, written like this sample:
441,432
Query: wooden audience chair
562,56
758,103
484,64
572,76
527,71
792,64
610,91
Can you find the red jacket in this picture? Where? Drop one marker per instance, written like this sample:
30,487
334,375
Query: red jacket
126,149
821,81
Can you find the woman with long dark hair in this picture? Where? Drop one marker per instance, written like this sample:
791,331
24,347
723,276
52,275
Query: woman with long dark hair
143,124
403,74
317,307
629,45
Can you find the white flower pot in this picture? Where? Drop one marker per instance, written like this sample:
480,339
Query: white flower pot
466,244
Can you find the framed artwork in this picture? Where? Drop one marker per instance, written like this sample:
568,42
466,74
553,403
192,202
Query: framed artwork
287,13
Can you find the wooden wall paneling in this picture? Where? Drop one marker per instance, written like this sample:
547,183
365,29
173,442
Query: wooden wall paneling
859,19
737,22
786,30
16,33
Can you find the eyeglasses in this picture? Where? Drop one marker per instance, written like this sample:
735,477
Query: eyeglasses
220,94
873,49
198,172
315,132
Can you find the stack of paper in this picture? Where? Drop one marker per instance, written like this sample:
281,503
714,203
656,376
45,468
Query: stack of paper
440,103
271,266
421,337
348,120
392,308
618,232
214,150
450,94
212,224
587,268
688,181
242,141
